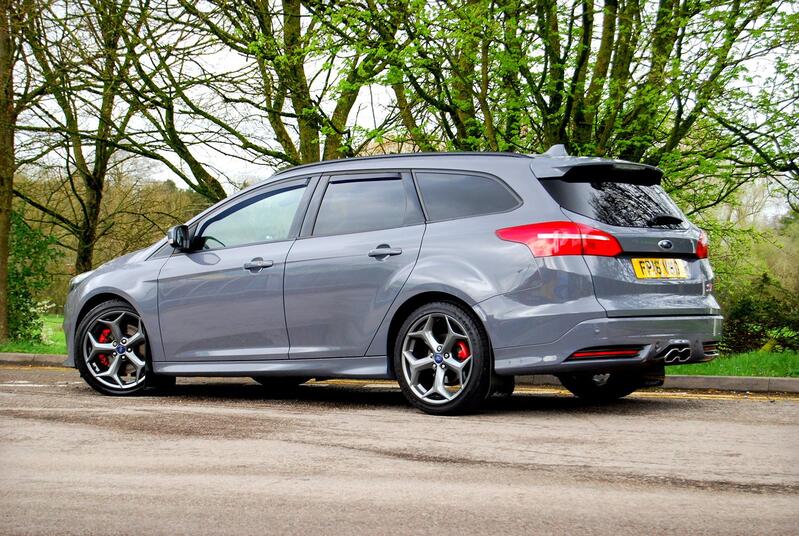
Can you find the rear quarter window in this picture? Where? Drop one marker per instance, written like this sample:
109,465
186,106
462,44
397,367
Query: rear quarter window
616,203
450,195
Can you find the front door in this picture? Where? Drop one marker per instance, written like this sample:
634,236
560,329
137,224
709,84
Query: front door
344,275
224,300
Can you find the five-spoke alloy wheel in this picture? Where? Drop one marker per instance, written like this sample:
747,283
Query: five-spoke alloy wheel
442,360
112,350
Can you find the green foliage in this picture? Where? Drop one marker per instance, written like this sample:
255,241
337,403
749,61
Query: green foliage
30,253
762,314
52,341
770,364
757,283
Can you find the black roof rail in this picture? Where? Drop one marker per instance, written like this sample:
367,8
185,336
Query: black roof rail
406,155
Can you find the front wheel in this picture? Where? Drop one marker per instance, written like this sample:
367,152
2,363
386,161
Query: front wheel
112,350
442,360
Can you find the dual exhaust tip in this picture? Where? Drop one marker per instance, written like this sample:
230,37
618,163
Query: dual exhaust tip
677,353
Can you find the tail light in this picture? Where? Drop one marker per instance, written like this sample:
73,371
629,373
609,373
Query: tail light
702,245
556,238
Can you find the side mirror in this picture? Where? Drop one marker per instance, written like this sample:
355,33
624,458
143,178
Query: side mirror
178,237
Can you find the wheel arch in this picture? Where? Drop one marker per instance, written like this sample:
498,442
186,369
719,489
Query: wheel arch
416,301
96,300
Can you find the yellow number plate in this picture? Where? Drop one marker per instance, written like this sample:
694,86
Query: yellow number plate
660,268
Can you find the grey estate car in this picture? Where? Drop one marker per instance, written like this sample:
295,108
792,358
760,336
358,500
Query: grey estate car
451,272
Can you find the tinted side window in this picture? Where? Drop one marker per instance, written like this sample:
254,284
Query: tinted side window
354,206
616,203
457,195
261,218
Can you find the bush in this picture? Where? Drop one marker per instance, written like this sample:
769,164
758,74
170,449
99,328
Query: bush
30,253
761,316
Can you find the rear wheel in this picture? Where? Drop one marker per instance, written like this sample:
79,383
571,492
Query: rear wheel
611,386
442,360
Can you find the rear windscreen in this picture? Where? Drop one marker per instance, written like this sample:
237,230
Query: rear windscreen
617,203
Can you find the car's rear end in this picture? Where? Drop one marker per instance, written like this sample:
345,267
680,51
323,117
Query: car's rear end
648,264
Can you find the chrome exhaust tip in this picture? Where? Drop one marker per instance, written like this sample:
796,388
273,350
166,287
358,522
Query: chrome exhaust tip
677,353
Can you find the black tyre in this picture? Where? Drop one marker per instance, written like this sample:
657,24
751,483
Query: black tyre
442,360
112,352
602,388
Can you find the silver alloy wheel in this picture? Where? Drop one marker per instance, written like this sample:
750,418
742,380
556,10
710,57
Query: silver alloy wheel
114,348
437,358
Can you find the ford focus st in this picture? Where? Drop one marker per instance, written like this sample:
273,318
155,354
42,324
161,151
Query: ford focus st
450,272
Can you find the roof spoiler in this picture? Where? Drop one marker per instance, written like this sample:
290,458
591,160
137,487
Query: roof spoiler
598,170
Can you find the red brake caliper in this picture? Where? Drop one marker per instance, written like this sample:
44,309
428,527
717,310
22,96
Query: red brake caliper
103,338
462,350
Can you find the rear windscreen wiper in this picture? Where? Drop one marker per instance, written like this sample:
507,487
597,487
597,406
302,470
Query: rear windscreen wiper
663,219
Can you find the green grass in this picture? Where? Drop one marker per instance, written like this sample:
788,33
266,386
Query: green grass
53,335
783,364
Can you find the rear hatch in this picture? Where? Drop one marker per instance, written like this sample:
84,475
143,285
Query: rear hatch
662,269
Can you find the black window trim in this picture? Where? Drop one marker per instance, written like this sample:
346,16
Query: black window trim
308,181
450,171
309,223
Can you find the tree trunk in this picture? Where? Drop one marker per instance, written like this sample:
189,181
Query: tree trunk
296,82
7,122
88,234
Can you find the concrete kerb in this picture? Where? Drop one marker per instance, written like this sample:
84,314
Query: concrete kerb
50,360
754,384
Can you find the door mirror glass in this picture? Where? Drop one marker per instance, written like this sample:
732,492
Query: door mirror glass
178,237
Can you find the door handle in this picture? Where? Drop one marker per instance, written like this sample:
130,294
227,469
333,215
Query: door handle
257,264
384,250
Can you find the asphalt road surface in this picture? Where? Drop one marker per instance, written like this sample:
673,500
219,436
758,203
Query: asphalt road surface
223,456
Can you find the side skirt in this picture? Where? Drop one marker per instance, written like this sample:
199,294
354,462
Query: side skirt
346,367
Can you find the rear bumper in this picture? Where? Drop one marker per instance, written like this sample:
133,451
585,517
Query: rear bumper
653,334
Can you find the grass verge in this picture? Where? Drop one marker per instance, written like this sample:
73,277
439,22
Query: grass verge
55,342
783,364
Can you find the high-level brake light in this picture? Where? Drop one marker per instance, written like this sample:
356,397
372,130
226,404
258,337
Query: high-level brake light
556,238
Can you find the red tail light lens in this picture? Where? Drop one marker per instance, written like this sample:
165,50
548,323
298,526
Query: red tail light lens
702,245
557,238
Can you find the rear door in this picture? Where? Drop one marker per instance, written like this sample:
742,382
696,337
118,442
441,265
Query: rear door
661,271
358,246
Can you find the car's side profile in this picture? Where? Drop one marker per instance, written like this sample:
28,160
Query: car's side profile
451,272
